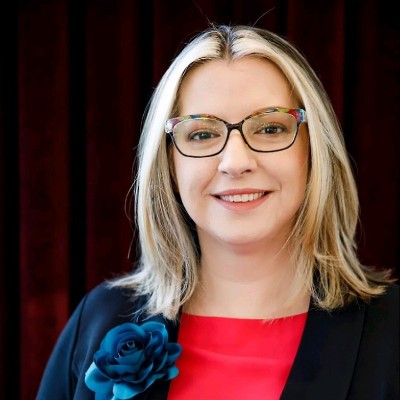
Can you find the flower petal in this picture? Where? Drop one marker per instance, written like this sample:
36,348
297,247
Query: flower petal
174,351
171,373
150,326
125,391
152,379
97,381
143,373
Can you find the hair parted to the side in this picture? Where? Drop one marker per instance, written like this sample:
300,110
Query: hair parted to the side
323,237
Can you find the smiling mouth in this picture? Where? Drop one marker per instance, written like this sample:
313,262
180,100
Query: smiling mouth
242,198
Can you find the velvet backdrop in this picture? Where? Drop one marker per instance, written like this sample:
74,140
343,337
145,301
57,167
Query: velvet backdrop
75,80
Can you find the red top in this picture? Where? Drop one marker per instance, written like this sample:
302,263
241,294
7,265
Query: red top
235,359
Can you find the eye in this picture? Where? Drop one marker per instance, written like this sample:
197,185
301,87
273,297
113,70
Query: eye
272,129
202,135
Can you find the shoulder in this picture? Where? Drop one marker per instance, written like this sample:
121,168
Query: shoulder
385,308
376,322
114,300
381,324
104,307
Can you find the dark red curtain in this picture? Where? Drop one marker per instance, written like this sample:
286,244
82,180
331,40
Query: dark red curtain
75,80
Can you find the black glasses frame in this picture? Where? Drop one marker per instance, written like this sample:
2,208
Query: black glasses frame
298,113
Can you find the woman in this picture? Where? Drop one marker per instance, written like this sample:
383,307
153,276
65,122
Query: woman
248,282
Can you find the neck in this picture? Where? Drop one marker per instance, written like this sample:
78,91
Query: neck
246,282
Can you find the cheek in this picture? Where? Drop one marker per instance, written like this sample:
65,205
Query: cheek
192,174
292,172
187,178
299,175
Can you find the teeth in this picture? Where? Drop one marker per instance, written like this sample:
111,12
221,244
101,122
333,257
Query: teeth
242,198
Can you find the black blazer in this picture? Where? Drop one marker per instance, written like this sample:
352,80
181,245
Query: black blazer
351,353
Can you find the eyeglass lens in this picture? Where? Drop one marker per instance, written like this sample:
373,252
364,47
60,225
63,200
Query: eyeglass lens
264,132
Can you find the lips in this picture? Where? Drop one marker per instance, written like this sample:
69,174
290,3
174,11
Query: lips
242,198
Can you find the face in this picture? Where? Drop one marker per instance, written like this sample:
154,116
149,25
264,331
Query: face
241,197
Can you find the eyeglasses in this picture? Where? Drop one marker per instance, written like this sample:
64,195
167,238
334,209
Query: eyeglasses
265,131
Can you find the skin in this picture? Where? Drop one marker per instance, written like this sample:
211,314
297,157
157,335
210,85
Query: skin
245,267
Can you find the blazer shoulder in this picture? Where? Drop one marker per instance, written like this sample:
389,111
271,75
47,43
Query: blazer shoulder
387,304
105,299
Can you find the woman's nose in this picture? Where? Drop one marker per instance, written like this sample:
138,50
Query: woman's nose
236,158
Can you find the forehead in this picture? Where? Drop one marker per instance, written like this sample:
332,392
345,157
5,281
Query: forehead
234,89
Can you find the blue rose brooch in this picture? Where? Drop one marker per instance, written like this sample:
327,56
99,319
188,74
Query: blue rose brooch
130,359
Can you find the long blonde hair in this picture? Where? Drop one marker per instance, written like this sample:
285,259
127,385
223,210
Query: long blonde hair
324,233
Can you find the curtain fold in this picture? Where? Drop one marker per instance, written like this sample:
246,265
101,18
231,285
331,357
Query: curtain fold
44,181
75,81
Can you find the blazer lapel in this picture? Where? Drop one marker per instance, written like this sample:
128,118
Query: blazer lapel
327,354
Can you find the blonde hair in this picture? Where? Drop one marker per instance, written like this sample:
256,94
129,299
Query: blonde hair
324,234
